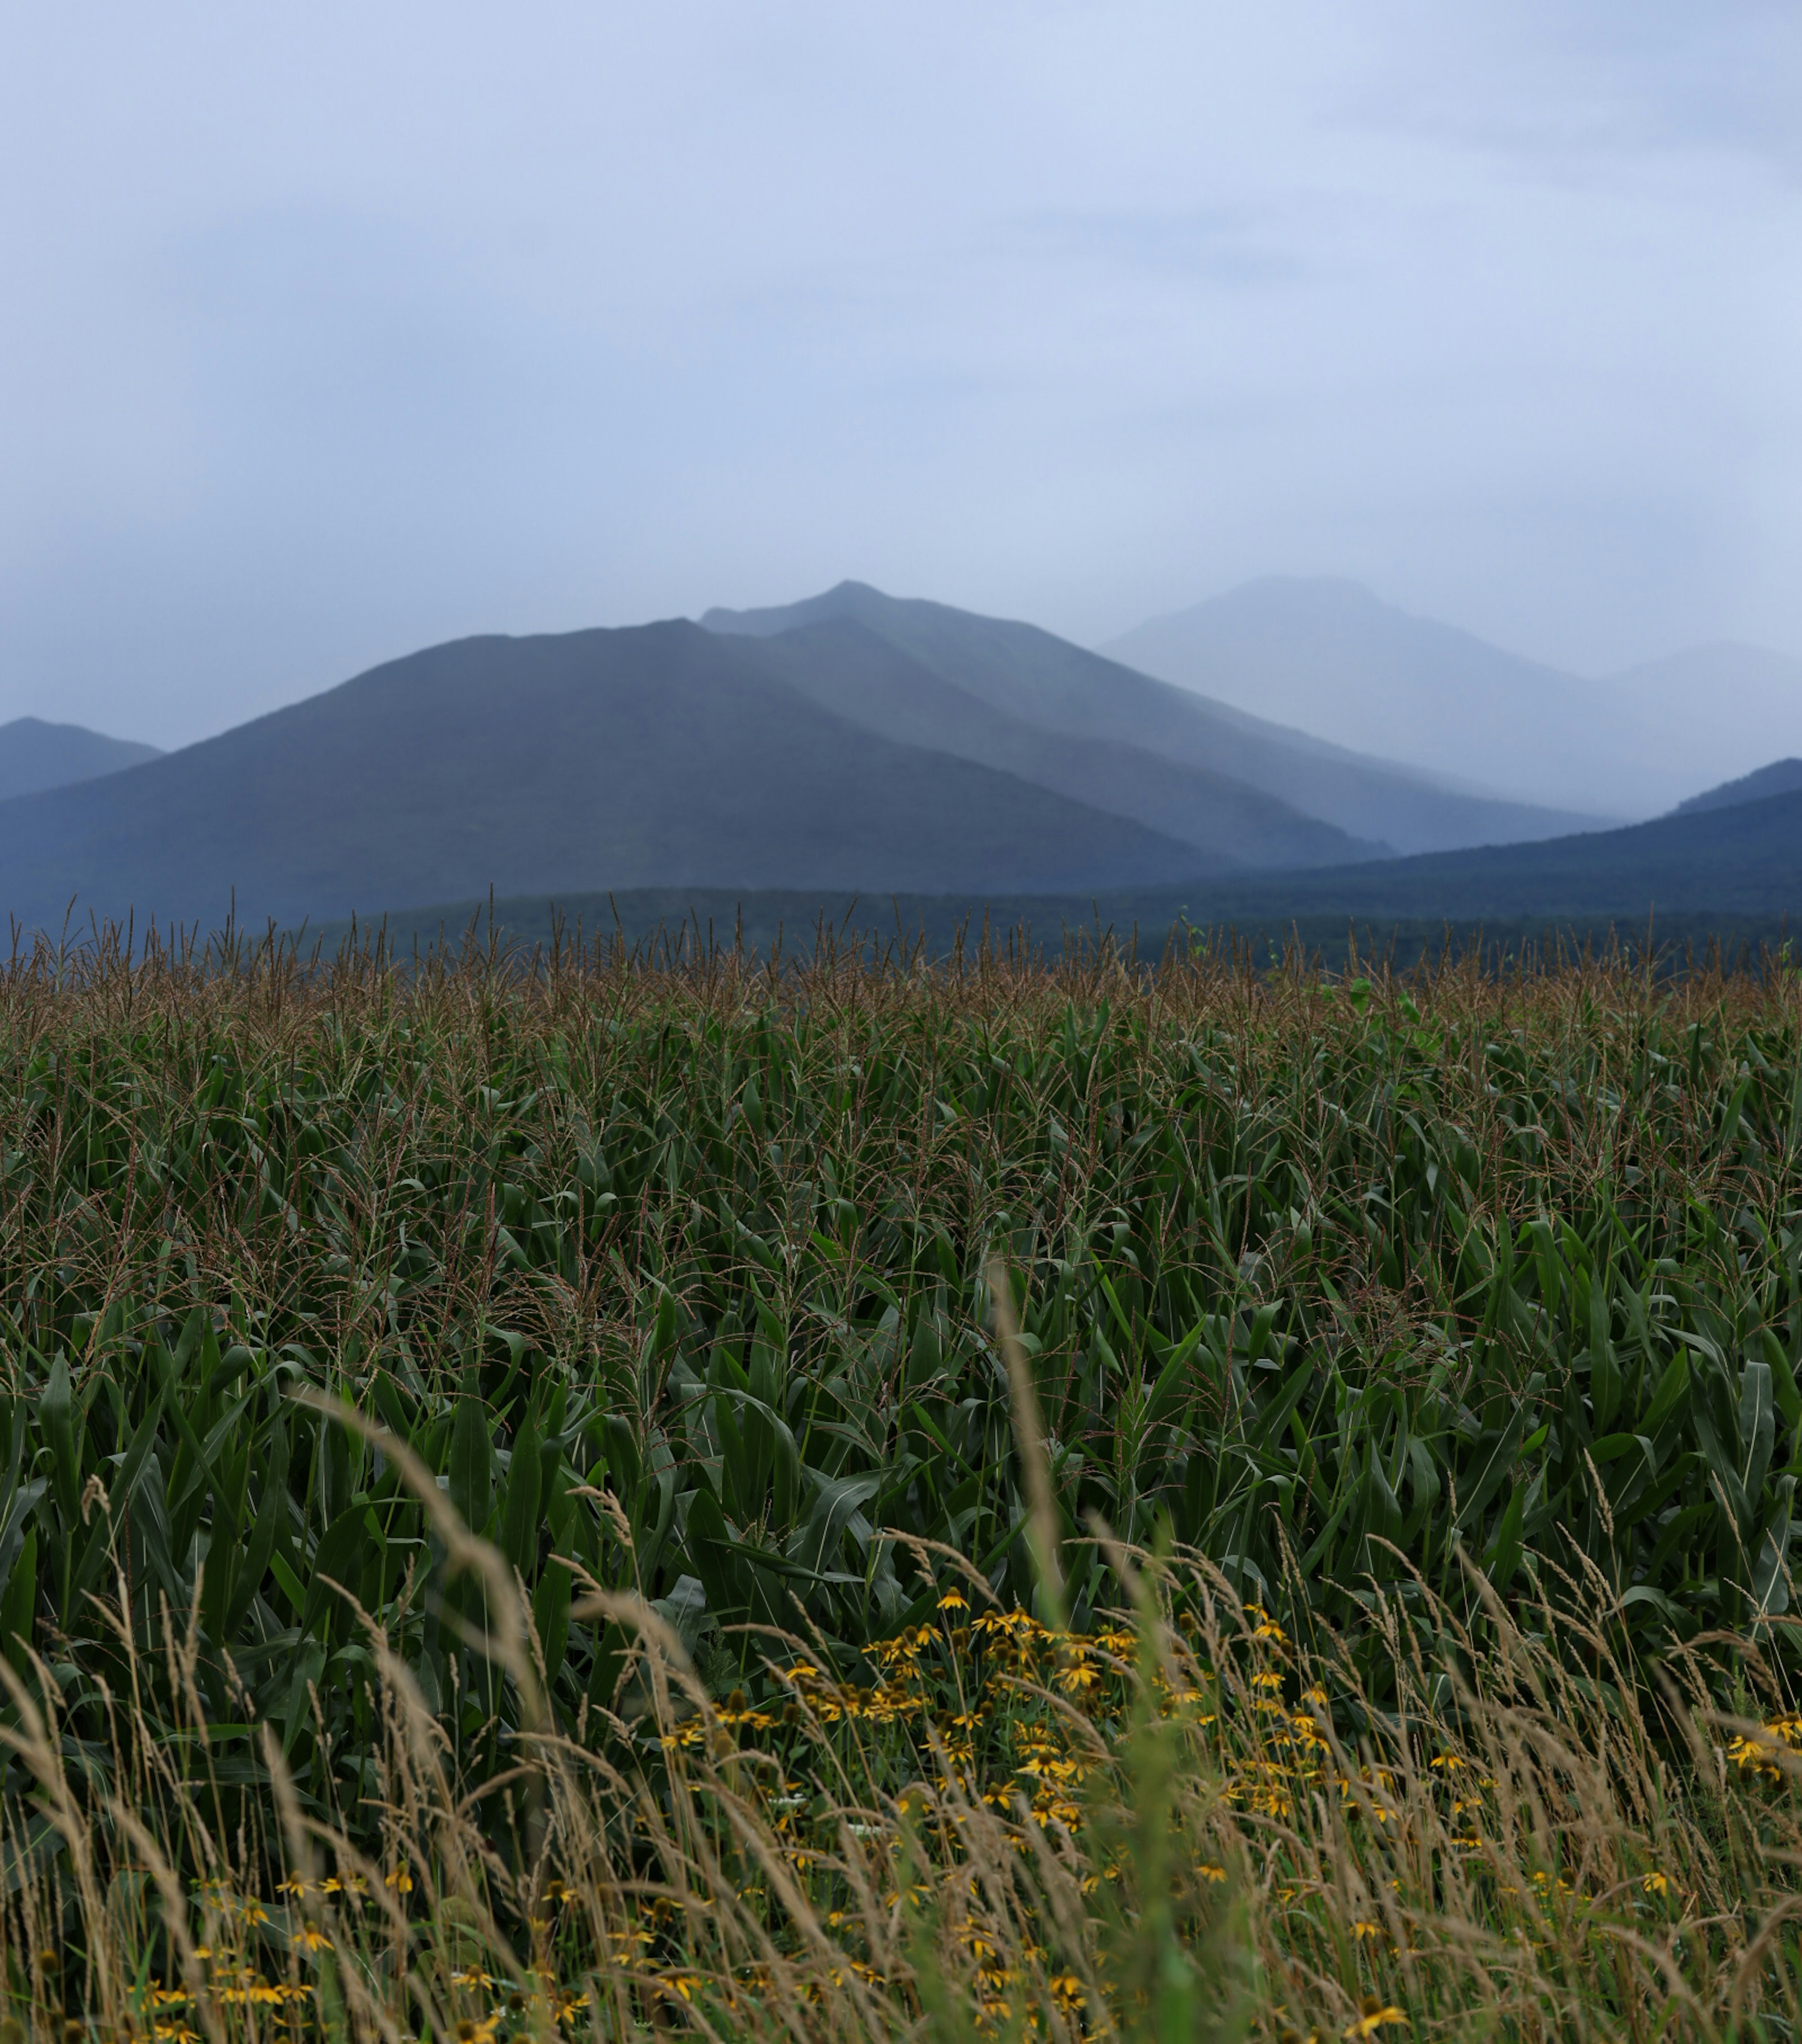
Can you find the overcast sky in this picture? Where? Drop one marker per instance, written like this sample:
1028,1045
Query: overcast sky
334,330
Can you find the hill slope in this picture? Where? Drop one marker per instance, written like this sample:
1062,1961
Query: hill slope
1028,674
34,755
664,755
1782,776
850,670
1330,656
1743,860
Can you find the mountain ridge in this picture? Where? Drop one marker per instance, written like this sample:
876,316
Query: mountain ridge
847,668
1024,671
1782,777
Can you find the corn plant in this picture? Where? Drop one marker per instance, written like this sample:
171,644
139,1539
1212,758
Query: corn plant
1455,1300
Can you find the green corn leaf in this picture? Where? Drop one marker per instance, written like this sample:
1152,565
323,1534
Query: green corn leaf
56,1413
519,1512
1504,1557
1604,1372
271,1516
1758,1427
337,1566
17,1605
550,1617
471,1487
1770,1575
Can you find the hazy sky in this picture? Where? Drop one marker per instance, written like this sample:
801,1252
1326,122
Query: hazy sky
330,330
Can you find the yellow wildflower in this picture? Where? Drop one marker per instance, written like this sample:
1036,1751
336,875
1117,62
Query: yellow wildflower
1375,2014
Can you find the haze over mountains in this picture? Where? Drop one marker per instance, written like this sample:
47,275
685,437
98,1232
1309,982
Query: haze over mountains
858,742
1328,656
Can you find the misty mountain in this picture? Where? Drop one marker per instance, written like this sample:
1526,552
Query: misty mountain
1030,675
1782,776
34,755
1330,657
664,755
1743,859
850,670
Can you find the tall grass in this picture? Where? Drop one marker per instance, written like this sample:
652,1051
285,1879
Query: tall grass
527,1459
1158,1831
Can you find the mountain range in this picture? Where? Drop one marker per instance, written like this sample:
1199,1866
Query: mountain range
1328,656
663,754
851,743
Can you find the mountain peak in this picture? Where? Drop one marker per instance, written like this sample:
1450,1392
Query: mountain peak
1328,656
35,755
844,599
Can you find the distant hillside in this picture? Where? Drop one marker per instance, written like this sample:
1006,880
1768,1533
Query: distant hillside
665,756
34,755
1028,674
1330,657
1782,776
1741,861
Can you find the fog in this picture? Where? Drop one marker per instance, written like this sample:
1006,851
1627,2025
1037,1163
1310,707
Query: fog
335,331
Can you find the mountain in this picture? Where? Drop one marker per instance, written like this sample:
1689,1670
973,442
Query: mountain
1782,776
1332,657
34,755
1029,675
848,669
1743,860
662,755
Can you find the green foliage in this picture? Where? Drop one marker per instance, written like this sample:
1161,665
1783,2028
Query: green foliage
677,1285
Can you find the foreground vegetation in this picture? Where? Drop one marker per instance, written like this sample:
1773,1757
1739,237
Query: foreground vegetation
860,1498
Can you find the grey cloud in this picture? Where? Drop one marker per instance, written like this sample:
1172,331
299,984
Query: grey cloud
1233,248
336,333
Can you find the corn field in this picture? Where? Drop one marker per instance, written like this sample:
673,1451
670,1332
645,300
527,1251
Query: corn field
618,1493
